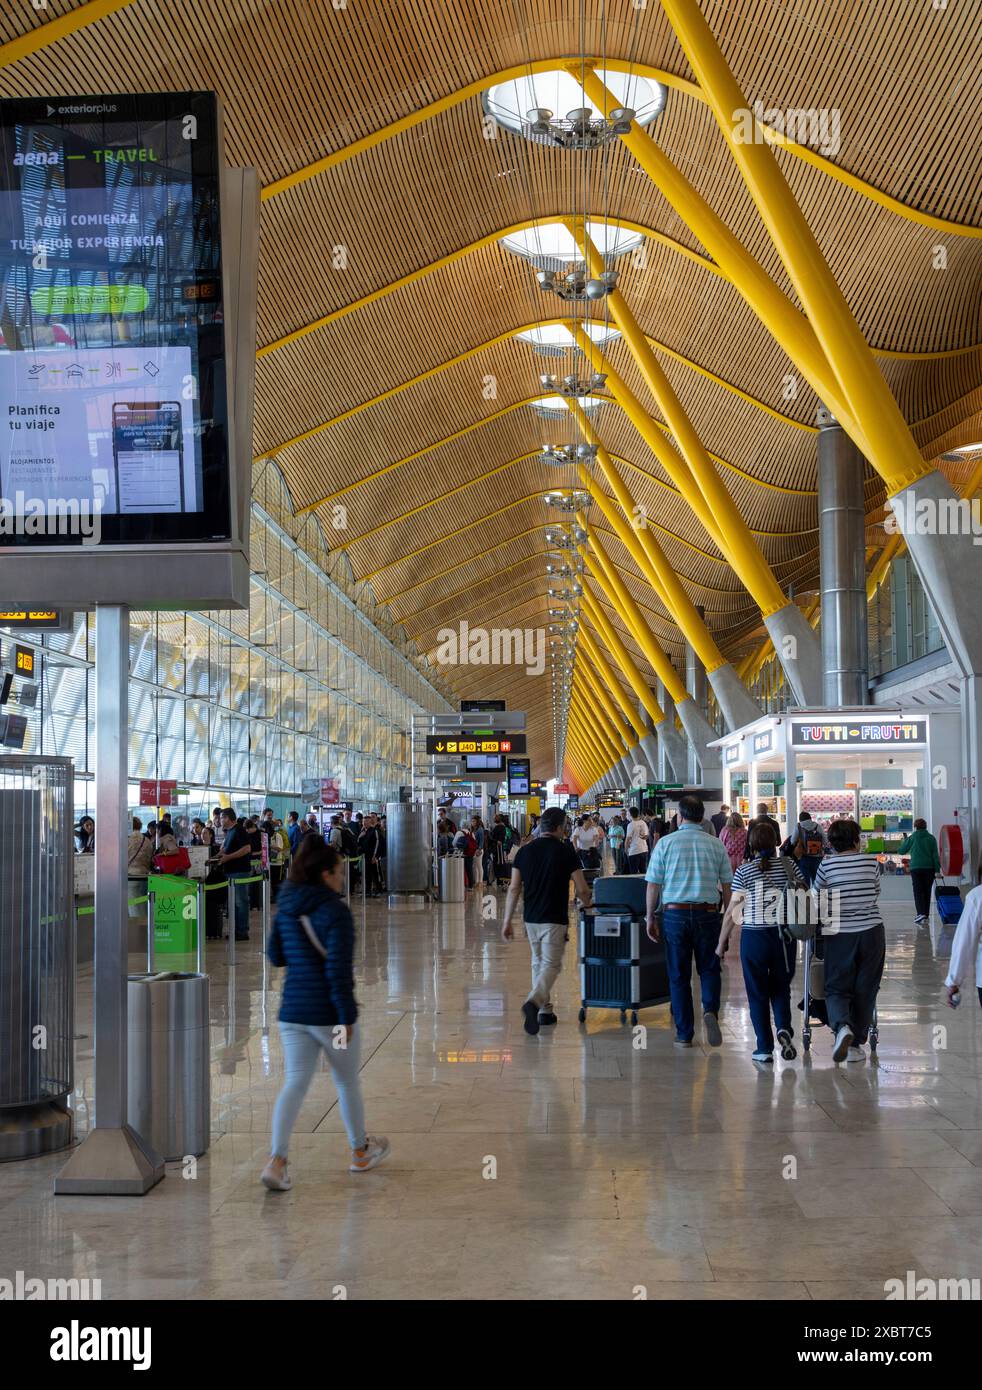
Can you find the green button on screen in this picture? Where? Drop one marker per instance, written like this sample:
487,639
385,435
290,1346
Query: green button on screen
90,299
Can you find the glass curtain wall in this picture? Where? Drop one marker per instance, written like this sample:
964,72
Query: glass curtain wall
312,681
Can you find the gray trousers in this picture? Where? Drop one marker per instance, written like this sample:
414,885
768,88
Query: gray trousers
853,968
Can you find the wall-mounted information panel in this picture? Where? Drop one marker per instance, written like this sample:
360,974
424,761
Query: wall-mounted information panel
112,363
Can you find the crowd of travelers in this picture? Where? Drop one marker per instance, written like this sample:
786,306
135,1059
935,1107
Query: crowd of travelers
705,877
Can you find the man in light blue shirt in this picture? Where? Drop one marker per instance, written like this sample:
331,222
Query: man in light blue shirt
687,872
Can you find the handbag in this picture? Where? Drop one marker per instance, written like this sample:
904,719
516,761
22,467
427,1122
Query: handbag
312,936
793,903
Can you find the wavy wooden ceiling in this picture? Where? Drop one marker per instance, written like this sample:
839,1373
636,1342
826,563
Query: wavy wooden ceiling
299,82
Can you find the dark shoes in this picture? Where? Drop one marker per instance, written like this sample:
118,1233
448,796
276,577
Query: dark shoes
546,1019
531,1011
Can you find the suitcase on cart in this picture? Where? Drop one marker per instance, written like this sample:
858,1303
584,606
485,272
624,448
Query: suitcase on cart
948,901
620,966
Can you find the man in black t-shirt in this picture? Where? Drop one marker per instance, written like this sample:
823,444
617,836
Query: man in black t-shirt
543,869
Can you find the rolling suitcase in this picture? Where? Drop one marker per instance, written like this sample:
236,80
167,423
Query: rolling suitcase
948,901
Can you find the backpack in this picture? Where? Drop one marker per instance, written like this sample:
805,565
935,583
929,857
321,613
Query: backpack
470,845
349,845
813,846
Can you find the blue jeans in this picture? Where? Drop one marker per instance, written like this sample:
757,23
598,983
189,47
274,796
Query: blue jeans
689,932
302,1044
809,865
242,907
768,981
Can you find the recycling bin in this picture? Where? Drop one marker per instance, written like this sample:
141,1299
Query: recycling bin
168,1072
452,878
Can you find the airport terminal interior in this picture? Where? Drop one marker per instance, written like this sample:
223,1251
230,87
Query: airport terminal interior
451,457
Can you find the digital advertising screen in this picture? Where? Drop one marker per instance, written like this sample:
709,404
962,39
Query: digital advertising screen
519,776
113,402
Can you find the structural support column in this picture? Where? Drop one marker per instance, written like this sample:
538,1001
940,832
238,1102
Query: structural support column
842,552
112,1160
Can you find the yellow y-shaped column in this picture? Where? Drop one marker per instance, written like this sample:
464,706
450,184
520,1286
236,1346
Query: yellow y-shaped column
735,702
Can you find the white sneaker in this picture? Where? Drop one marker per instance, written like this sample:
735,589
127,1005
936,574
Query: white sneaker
843,1041
370,1156
763,1057
856,1054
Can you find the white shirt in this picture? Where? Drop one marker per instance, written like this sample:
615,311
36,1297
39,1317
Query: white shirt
586,837
636,838
967,941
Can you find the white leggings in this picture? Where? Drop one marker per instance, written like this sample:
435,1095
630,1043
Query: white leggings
302,1044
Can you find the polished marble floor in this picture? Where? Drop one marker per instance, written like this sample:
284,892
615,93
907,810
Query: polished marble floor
571,1165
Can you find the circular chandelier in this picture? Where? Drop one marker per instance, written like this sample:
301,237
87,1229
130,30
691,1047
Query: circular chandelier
526,105
572,283
564,539
573,385
573,501
562,455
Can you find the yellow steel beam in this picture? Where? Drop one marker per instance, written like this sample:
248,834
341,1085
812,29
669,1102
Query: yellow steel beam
34,40
869,401
666,78
788,326
615,721
590,722
744,553
622,656
650,558
669,459
607,674
613,586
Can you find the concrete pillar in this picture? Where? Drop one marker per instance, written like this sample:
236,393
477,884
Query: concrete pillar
842,551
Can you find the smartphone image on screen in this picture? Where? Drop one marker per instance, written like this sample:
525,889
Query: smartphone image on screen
148,456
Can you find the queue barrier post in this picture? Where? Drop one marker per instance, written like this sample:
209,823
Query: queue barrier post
267,906
151,944
201,926
230,938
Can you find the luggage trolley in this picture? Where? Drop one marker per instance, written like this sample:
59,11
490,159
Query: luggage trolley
806,1024
620,966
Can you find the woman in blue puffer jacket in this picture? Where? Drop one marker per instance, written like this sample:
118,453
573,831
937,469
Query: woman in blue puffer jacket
313,935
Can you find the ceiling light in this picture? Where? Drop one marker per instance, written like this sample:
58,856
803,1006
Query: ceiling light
525,106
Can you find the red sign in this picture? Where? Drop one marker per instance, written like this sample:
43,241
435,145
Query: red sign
158,793
561,789
330,790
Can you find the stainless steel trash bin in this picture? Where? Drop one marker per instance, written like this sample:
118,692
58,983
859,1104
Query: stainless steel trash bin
168,1072
452,878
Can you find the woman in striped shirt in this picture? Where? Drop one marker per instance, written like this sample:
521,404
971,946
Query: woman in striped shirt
768,953
848,885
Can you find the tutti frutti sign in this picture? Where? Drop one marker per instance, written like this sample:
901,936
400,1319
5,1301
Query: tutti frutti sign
866,733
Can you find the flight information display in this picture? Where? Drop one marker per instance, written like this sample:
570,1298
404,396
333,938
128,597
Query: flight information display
113,402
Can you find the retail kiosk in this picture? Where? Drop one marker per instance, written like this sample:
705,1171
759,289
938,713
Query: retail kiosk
880,767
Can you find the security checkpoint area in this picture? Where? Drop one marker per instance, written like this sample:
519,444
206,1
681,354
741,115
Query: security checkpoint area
490,669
